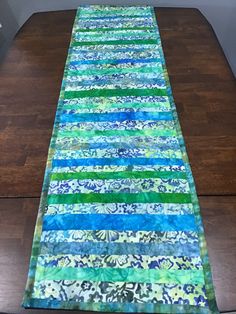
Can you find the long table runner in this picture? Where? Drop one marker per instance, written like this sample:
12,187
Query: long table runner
119,227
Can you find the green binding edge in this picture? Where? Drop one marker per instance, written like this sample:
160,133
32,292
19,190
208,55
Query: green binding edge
29,302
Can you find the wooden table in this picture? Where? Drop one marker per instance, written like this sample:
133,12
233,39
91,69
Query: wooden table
205,92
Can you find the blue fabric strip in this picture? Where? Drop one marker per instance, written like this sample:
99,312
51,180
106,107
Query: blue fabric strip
117,49
116,162
103,248
116,116
115,61
120,222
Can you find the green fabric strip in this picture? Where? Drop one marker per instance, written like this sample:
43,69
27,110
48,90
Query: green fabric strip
118,175
91,30
151,105
92,133
120,275
115,42
119,198
115,92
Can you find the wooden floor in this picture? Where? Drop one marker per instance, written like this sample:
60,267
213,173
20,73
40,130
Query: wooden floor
205,92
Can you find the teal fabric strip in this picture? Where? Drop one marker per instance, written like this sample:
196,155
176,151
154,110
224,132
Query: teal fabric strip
107,29
189,250
119,222
94,133
116,116
116,161
140,69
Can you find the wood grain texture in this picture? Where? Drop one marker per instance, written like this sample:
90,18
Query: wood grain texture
219,218
30,80
204,91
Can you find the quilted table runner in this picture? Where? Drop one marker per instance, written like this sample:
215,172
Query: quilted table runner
119,227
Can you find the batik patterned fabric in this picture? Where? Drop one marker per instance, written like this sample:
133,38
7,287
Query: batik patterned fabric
119,227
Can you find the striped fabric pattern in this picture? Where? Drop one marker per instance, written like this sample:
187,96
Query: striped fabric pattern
119,227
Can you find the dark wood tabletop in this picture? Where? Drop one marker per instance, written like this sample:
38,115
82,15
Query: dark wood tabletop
204,89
